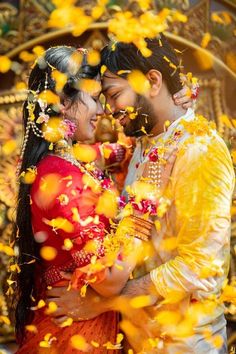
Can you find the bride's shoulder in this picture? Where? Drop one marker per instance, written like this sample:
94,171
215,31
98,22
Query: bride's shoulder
56,164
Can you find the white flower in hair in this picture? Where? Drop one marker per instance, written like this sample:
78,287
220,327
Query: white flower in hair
43,117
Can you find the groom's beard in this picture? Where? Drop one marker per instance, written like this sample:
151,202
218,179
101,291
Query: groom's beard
144,119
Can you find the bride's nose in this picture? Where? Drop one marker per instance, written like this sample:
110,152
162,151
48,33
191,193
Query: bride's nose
100,109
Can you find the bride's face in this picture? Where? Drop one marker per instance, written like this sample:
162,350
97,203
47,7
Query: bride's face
84,112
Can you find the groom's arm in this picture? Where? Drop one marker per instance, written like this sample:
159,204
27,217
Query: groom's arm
71,304
140,286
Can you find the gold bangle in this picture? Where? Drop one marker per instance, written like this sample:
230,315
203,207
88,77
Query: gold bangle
142,222
142,230
141,237
138,235
148,222
138,227
134,227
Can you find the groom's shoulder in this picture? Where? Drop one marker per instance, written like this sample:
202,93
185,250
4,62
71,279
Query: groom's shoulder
200,131
199,137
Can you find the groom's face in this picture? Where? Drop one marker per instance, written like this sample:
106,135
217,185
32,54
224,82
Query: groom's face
119,95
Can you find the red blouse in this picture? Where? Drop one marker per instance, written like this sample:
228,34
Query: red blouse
63,207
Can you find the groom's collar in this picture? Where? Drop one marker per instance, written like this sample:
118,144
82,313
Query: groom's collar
189,115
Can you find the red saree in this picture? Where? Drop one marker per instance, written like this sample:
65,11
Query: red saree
63,208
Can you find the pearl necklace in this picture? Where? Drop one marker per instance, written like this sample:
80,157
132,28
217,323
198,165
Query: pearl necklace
154,173
75,162
154,165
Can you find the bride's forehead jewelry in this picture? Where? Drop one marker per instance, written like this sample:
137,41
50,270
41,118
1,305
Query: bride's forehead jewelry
42,101
82,50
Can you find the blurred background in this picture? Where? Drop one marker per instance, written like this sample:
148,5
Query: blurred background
208,45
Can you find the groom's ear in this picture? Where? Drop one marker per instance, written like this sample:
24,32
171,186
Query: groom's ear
155,79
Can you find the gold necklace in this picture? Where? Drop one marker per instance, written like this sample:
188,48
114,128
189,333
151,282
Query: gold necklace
64,151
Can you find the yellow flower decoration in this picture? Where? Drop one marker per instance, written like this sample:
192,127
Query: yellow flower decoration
199,126
147,25
5,64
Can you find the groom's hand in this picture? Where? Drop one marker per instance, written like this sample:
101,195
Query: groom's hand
71,304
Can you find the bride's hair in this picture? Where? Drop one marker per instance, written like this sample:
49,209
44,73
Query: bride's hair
62,59
126,56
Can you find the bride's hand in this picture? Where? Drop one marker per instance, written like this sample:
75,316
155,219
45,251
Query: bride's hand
183,98
71,304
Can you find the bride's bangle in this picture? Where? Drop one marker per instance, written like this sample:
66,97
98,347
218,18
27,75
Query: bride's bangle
142,222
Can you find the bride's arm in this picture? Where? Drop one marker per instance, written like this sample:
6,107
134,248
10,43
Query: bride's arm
117,275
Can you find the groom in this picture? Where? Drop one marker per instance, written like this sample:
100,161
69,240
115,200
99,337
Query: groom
192,241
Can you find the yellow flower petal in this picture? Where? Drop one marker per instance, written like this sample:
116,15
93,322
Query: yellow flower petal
84,152
5,64
83,290
5,319
231,60
91,183
41,304
54,130
67,323
9,147
38,50
21,86
138,82
141,301
48,253
26,56
31,328
119,338
225,120
93,57
9,251
217,341
107,204
44,344
29,176
168,317
106,151
52,307
168,244
205,60
49,96
68,244
205,40
78,342
60,223
90,86
95,344
103,69
97,11
60,79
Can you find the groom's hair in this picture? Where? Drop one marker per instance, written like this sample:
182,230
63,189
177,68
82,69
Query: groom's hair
126,56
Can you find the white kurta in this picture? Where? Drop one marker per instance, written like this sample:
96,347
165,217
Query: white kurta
198,223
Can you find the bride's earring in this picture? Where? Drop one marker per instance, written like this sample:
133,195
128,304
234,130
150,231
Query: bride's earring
70,128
